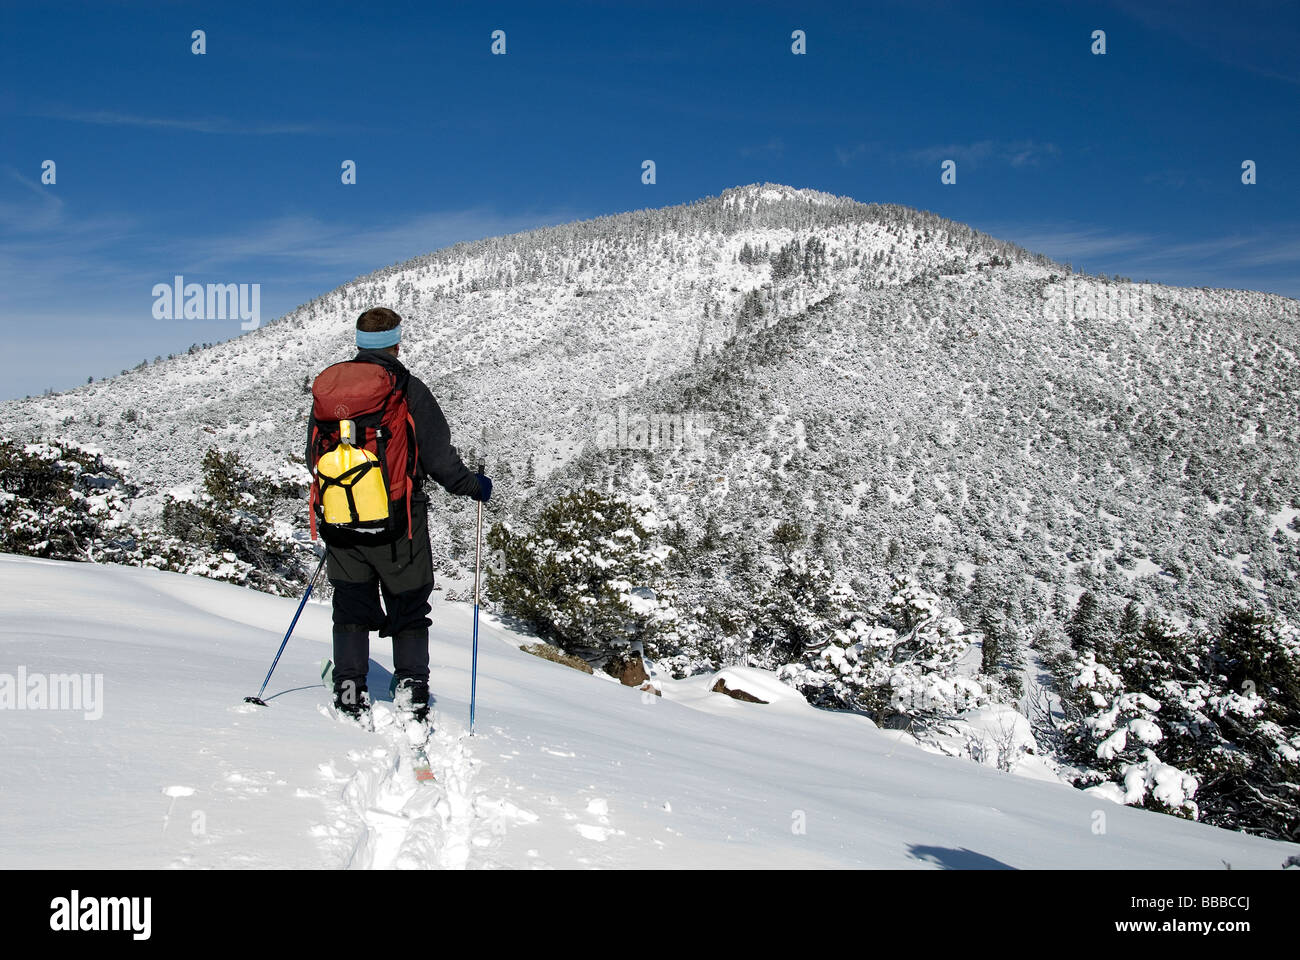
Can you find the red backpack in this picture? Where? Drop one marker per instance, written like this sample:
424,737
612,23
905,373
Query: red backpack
374,399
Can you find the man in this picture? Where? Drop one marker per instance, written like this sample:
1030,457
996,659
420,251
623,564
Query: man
402,570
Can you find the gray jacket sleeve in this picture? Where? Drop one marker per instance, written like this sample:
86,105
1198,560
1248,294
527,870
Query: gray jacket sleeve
438,458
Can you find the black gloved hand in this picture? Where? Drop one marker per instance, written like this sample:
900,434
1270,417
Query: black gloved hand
484,489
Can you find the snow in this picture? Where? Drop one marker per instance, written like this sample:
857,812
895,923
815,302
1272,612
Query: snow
1281,521
762,684
1239,562
1142,567
1165,783
565,771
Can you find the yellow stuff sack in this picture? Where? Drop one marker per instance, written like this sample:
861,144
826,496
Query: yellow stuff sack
353,491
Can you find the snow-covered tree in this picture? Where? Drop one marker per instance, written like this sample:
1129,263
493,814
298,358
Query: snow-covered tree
899,659
227,531
1088,629
588,574
1253,775
62,501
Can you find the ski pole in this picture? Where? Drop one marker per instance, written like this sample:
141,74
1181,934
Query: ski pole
478,545
285,642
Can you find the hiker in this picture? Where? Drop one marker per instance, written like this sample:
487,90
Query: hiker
376,432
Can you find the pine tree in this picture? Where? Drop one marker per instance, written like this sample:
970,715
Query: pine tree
1012,667
1115,734
1130,620
786,537
578,577
991,652
1087,627
1255,784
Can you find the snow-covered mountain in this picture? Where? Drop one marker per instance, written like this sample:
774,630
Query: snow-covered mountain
916,388
529,336
162,765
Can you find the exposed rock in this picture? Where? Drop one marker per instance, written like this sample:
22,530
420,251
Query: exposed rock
721,687
556,655
629,669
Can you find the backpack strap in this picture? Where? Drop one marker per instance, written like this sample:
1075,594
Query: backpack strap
412,461
314,493
401,384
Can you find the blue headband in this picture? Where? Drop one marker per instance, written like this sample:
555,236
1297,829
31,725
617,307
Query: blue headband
378,339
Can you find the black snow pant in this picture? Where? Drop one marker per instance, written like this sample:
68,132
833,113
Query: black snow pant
403,573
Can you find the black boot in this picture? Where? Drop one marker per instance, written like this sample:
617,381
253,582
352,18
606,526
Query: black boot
411,699
352,700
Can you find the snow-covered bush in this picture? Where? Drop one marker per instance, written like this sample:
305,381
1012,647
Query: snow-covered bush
1252,769
796,611
900,659
589,574
62,501
1204,724
996,735
228,530
1113,734
1150,782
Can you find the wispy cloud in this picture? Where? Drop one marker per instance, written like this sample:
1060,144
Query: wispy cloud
1174,260
24,217
217,125
52,257
1260,37
1175,179
773,148
1070,242
308,240
1016,153
846,156
1012,153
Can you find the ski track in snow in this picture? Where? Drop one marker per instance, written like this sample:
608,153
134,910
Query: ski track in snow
386,819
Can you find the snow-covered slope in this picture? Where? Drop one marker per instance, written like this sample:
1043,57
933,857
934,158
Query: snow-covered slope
566,770
529,335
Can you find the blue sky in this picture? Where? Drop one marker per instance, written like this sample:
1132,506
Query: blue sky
225,167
